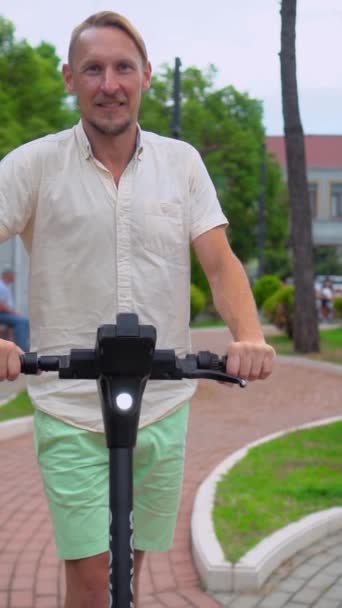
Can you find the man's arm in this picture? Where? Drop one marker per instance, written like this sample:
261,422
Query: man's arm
248,356
5,308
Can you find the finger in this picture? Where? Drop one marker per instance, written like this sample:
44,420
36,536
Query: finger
9,360
268,364
246,363
13,365
233,363
256,369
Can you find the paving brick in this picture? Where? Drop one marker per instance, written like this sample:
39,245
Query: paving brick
173,600
277,599
245,601
291,584
307,595
325,603
21,599
322,581
3,599
45,601
334,592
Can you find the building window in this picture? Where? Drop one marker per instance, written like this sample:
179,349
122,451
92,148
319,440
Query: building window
313,197
336,201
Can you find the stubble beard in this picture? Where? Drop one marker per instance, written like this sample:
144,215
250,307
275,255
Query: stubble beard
110,129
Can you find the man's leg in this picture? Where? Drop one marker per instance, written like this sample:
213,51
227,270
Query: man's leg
21,330
87,581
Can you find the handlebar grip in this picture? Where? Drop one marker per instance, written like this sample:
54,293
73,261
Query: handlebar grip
31,363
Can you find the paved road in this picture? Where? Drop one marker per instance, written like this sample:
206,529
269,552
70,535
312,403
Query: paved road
222,420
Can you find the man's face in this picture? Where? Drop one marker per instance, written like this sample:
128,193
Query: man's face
108,76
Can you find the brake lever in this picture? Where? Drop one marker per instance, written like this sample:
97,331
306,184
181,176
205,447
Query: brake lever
210,374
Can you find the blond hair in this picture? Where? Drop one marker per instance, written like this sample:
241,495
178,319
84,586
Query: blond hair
108,19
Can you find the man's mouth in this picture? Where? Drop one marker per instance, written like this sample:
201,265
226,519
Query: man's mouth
111,105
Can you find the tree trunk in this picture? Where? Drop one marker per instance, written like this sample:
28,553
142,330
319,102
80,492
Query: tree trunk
305,324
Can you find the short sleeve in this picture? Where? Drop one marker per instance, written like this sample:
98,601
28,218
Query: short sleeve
16,192
205,209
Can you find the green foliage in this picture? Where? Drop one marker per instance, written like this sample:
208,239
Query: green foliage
338,307
226,127
264,287
326,260
279,309
198,277
32,96
198,301
278,262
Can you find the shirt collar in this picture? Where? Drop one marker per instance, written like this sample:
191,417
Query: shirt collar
86,147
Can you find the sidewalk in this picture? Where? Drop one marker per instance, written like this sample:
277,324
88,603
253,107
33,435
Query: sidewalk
222,420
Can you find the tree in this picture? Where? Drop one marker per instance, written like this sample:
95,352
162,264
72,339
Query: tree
32,95
305,326
226,127
277,260
327,260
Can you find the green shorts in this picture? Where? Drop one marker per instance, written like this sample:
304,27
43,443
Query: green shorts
74,468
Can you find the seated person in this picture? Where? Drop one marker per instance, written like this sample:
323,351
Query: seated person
8,316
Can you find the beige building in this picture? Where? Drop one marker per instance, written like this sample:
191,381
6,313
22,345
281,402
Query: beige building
324,173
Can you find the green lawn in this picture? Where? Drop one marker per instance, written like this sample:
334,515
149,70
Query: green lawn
277,483
330,345
19,406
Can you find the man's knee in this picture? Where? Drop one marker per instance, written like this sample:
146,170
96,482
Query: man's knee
87,578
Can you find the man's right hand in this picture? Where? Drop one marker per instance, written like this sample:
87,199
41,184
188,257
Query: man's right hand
10,366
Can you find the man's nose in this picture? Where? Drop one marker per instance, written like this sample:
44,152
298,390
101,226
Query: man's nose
110,81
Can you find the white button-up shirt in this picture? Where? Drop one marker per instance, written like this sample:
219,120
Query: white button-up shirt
97,249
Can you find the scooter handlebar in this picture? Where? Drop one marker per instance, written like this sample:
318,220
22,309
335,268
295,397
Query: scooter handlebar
84,364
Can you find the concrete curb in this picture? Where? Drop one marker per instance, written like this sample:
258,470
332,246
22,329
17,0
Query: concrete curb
16,427
254,567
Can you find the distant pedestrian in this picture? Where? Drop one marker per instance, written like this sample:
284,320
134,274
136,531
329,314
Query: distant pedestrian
327,295
8,315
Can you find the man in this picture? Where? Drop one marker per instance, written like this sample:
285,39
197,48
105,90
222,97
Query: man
8,316
107,213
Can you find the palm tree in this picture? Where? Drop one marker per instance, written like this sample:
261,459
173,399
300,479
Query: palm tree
305,326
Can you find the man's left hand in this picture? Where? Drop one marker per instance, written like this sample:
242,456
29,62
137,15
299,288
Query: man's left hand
250,360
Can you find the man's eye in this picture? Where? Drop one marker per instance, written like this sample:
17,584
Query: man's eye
93,69
124,67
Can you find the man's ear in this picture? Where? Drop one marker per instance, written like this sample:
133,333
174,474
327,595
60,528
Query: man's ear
147,76
67,77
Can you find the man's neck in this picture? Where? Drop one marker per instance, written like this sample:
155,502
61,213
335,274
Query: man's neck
113,151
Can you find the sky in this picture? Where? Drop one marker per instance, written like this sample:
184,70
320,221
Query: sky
240,37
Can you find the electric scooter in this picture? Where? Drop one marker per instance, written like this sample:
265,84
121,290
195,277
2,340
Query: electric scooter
123,360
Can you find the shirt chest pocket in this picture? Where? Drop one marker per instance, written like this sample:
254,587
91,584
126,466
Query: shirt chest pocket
164,232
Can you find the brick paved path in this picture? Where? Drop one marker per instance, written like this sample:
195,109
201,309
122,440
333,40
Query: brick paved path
222,420
312,578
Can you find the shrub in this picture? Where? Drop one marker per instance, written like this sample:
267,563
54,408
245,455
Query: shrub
198,300
279,308
264,287
338,307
